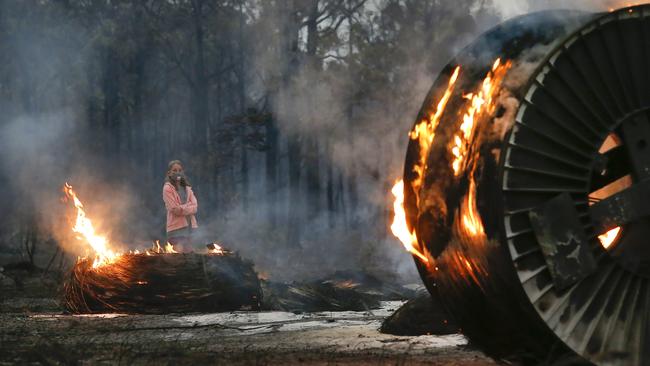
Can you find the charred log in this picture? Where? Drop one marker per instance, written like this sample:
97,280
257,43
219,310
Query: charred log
342,291
422,315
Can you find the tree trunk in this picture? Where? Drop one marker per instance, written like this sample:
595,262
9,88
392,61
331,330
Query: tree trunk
331,208
352,178
110,89
143,44
241,94
290,37
312,163
272,170
295,201
200,91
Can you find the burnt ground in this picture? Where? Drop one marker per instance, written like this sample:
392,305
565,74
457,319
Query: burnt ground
238,338
34,330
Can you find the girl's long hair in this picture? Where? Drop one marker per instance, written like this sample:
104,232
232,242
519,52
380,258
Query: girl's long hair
184,182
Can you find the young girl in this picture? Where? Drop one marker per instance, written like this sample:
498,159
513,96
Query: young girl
181,207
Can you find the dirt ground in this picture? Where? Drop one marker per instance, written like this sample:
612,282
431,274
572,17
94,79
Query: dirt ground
238,338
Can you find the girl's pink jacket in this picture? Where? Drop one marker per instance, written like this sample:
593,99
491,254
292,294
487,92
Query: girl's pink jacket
173,200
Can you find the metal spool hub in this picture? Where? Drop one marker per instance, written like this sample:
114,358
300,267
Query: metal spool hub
574,165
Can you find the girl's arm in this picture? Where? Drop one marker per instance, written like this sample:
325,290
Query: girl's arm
192,205
170,203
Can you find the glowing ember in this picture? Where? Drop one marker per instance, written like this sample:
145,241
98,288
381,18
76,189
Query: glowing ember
480,102
399,227
609,237
85,230
424,132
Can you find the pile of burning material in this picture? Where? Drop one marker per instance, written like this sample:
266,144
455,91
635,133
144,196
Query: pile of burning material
158,280
163,283
343,291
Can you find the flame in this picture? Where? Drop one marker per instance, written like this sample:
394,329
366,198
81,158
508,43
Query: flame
216,249
609,237
424,132
156,248
103,254
480,102
399,227
470,216
169,248
84,227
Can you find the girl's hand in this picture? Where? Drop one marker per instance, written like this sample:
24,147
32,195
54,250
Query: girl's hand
177,211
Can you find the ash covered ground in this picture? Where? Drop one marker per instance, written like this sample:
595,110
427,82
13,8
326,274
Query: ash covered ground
224,338
35,330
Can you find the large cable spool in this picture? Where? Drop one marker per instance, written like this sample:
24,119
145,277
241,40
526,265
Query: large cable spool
530,198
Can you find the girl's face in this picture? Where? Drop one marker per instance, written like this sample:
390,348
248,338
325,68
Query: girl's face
176,169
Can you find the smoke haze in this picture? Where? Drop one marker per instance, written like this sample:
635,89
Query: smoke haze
512,8
106,98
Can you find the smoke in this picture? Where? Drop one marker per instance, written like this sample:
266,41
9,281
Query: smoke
40,153
366,139
352,121
512,8
34,150
359,116
45,136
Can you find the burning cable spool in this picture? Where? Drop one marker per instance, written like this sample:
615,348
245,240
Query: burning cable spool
158,280
525,183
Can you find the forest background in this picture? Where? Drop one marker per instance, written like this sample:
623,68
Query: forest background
291,117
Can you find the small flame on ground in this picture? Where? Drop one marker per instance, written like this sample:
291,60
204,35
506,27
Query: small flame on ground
399,227
609,237
215,249
169,248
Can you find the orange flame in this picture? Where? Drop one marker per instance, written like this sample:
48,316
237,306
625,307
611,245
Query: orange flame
156,247
169,248
424,132
399,227
84,227
216,249
482,101
609,237
103,254
470,216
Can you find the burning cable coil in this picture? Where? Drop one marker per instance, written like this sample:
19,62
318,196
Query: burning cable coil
163,283
524,196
